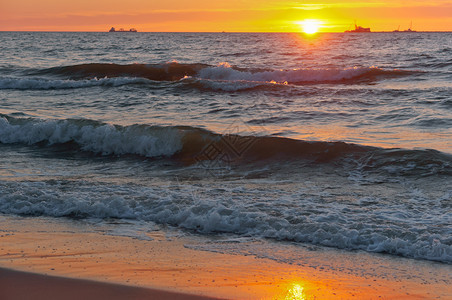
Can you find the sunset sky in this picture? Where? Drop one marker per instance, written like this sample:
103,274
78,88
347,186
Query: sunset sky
231,15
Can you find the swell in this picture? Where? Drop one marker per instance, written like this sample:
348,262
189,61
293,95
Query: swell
159,72
220,77
193,145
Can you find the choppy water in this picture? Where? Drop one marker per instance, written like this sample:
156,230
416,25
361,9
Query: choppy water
339,140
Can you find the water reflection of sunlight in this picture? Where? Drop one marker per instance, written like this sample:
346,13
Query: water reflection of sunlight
296,293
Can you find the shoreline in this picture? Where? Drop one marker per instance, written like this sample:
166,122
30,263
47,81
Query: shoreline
24,285
165,262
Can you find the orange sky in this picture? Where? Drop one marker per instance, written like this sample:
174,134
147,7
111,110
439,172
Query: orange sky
231,15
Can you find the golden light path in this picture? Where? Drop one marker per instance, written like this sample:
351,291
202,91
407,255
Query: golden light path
296,293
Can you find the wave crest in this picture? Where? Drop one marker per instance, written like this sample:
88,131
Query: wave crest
224,71
193,145
222,77
93,136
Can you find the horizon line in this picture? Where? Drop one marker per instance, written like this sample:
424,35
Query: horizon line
72,31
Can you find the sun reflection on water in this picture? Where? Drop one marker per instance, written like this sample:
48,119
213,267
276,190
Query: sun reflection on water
296,293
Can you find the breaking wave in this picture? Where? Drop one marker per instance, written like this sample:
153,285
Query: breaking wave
192,145
368,226
224,71
222,77
297,215
92,136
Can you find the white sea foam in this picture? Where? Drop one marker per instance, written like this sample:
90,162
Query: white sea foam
48,84
225,72
328,225
230,86
105,139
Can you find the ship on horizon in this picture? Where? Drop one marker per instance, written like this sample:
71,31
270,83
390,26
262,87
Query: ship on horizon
406,30
122,30
358,29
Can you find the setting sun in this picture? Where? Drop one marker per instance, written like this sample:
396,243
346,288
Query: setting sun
310,26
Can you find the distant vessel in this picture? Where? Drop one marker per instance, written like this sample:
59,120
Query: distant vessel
358,29
406,30
122,30
409,29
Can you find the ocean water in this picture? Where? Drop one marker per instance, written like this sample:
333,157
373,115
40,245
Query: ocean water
333,140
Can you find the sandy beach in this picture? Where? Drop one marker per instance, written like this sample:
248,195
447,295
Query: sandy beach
23,285
81,260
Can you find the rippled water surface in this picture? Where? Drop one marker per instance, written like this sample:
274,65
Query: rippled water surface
339,140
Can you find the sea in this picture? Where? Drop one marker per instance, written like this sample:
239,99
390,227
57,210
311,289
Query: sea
333,140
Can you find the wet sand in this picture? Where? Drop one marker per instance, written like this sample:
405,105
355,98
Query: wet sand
23,285
165,262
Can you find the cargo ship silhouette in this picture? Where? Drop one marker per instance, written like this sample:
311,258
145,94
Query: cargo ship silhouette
122,30
358,29
406,30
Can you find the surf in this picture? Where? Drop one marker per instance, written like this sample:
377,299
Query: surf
192,145
220,77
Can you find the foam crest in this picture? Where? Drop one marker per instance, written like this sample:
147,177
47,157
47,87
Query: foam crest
322,224
228,86
225,72
49,84
92,136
